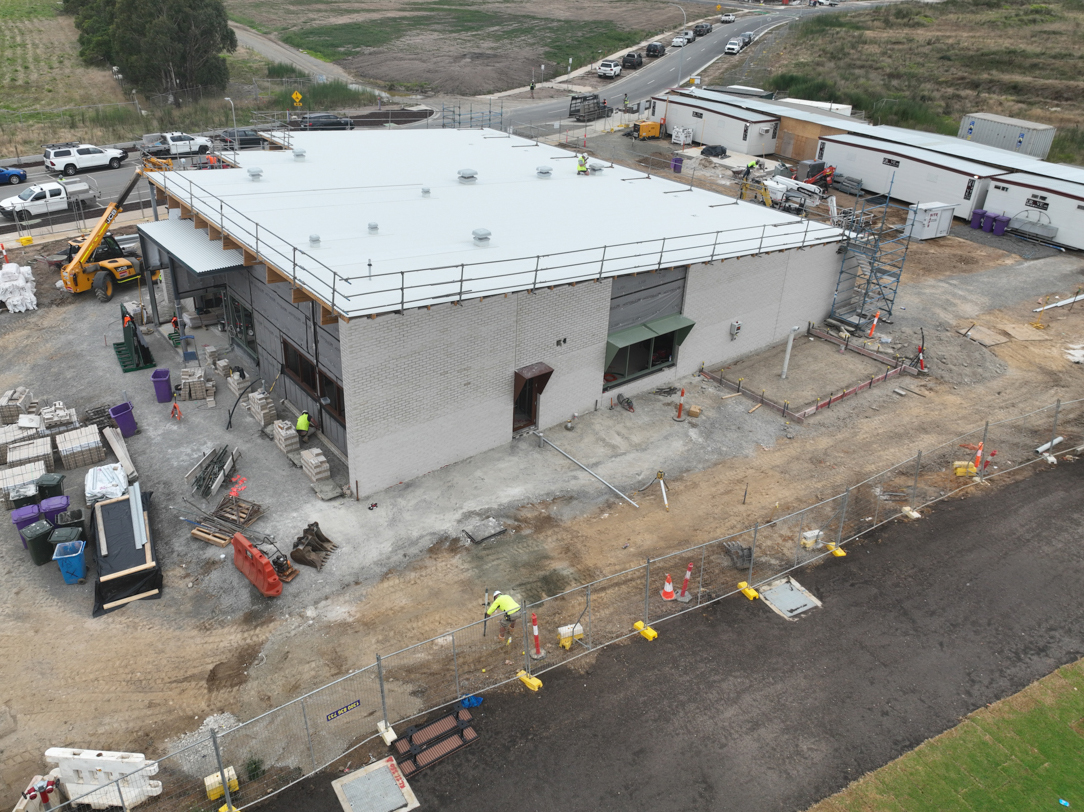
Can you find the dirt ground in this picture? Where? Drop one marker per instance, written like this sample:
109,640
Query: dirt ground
734,708
165,662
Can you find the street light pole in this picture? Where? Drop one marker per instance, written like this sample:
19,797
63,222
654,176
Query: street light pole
235,136
684,26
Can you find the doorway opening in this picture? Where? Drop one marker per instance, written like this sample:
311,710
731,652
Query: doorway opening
530,382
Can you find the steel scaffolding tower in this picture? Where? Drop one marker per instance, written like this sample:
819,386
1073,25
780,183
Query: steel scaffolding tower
873,257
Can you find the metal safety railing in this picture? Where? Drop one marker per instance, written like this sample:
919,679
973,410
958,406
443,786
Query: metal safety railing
281,747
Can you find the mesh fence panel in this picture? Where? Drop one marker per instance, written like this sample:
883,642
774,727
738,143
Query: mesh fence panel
268,753
616,603
342,715
722,566
423,677
571,610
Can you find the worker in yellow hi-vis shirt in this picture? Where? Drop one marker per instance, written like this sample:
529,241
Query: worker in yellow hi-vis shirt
510,609
304,426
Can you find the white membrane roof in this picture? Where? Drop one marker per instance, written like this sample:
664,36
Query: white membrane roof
567,228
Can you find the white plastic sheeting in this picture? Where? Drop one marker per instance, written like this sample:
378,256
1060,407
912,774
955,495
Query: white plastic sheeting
17,288
105,482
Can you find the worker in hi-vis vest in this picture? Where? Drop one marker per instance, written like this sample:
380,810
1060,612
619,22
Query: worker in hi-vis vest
581,165
749,167
510,609
304,426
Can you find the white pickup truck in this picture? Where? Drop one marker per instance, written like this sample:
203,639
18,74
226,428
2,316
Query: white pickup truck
43,198
168,145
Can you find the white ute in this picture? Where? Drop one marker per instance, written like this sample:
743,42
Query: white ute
42,198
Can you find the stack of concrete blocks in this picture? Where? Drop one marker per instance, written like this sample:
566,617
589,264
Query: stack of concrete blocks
80,448
237,384
315,465
209,389
210,354
11,478
262,407
193,387
222,367
13,403
89,775
13,433
57,418
28,451
286,437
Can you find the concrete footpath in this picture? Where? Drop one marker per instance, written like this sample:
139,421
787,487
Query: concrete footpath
734,708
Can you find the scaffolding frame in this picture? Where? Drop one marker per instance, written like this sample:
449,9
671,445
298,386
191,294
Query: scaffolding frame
874,253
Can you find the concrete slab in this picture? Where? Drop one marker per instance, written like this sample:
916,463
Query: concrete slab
1024,332
982,335
484,531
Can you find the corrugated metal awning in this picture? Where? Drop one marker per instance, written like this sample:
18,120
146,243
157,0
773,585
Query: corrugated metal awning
191,247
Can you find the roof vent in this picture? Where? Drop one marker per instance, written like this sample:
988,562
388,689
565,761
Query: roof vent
468,175
255,173
545,172
481,236
374,228
596,166
299,154
314,240
425,191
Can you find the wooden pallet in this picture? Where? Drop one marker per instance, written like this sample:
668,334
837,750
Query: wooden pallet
212,536
238,511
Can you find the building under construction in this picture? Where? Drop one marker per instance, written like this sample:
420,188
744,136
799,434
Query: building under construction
435,292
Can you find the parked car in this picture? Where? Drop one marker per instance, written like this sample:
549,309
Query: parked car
608,68
169,145
12,175
325,121
678,42
747,38
734,46
242,138
655,49
702,29
632,61
43,198
690,36
72,156
728,18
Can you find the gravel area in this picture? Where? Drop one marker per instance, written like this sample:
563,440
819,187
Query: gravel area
1006,242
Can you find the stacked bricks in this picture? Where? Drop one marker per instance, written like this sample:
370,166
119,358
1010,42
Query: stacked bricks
193,387
57,417
222,367
13,434
316,467
11,478
262,407
237,384
80,448
13,403
29,451
209,389
286,437
210,355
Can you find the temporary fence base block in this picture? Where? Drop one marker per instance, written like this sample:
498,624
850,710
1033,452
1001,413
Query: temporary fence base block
534,683
387,732
748,591
646,632
911,513
377,787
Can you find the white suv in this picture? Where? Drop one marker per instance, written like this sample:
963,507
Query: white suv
72,156
609,68
727,18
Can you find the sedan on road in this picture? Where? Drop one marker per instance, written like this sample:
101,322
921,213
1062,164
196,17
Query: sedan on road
12,175
243,138
678,42
325,121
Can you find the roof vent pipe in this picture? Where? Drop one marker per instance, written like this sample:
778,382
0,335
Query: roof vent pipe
481,236
425,191
545,172
299,154
314,240
374,228
255,173
468,175
596,167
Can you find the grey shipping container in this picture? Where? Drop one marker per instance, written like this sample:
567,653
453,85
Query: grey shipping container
1013,134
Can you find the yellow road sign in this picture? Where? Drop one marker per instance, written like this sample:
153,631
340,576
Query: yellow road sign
718,8
296,97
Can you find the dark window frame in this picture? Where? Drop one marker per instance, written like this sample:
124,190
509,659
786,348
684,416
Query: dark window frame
299,367
333,391
651,351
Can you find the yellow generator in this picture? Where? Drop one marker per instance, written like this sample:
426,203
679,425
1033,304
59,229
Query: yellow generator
646,129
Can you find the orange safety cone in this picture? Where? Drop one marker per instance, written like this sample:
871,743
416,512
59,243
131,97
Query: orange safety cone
176,412
668,589
978,456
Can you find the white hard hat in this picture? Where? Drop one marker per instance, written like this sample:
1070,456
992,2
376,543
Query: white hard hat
496,592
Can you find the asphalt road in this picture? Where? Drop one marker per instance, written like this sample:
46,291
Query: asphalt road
734,708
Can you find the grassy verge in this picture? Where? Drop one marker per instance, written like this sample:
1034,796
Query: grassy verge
925,65
1021,753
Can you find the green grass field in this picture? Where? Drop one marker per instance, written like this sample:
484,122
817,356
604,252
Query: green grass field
1023,753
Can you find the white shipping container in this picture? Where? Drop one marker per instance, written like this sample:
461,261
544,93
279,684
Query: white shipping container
714,123
1046,202
1013,134
911,174
927,221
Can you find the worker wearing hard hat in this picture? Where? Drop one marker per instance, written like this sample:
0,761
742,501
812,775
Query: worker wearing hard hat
749,167
581,165
510,609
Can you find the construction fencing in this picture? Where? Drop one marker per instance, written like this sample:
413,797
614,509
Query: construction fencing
269,753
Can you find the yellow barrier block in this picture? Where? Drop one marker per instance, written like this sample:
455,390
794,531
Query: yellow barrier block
568,634
228,808
213,784
25,241
748,591
646,632
534,683
838,552
964,469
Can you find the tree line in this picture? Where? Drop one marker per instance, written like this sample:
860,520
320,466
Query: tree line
159,45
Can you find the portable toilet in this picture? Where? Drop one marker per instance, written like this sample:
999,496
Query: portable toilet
925,221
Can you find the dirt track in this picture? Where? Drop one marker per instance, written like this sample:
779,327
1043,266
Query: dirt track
734,708
169,664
